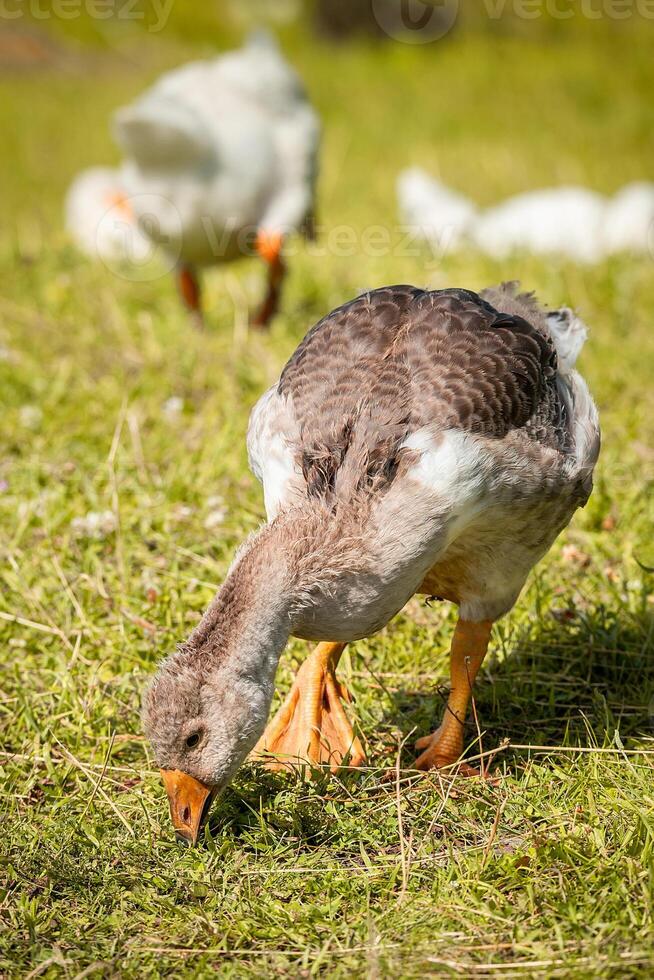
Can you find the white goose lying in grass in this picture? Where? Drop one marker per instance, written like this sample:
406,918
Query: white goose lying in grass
570,221
560,220
441,215
221,161
432,442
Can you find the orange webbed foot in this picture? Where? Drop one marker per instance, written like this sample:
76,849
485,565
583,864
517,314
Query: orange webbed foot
311,726
437,751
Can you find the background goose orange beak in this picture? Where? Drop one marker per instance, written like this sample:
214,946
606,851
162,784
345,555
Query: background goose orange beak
189,801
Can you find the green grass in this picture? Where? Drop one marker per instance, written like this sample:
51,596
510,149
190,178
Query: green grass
550,872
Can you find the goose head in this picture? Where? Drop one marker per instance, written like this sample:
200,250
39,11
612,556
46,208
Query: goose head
202,722
208,704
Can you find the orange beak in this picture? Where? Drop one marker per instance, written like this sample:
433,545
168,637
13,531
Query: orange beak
121,203
189,801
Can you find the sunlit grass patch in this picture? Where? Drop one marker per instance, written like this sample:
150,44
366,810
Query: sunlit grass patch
124,490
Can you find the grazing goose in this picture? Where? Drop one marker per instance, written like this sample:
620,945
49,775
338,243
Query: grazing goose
431,442
100,220
221,160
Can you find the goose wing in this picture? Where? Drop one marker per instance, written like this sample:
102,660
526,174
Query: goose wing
400,359
394,362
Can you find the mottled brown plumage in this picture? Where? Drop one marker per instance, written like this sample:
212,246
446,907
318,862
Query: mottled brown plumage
398,359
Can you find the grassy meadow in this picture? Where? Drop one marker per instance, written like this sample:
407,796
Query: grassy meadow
114,406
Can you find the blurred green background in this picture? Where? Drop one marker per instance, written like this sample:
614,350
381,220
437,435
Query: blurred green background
112,404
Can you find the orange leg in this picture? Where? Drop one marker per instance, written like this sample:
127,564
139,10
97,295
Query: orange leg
189,290
444,746
269,247
311,725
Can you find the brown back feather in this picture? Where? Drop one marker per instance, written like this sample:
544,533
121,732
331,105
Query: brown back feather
400,358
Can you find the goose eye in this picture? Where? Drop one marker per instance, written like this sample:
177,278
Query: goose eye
193,740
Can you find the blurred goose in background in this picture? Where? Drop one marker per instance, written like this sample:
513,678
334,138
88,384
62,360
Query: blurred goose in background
563,220
416,442
100,220
220,161
442,216
629,220
571,221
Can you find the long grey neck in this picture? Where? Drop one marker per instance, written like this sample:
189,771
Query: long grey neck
289,566
316,572
248,623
